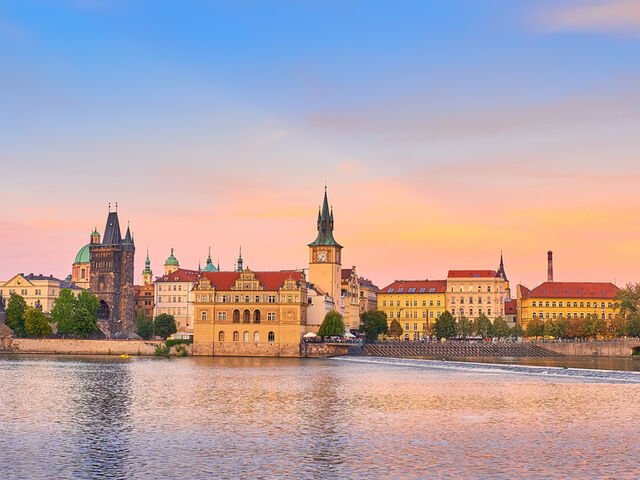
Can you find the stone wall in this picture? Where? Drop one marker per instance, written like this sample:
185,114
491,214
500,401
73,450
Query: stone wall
250,349
324,350
77,347
593,349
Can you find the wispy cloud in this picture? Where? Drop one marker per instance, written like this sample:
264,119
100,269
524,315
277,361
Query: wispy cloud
611,16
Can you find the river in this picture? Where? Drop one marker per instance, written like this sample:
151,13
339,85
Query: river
374,418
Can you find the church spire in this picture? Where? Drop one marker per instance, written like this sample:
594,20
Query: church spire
325,224
239,262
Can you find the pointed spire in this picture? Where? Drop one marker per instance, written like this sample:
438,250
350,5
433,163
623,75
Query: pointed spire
128,238
239,262
325,224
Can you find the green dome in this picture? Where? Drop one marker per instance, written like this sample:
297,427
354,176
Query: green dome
83,255
171,260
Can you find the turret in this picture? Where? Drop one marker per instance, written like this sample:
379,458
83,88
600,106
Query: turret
147,274
239,262
171,264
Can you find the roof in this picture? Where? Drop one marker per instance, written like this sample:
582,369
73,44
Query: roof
5,331
325,225
472,274
112,234
416,286
574,290
83,255
524,291
180,275
171,260
269,280
365,282
510,307
209,267
345,273
32,277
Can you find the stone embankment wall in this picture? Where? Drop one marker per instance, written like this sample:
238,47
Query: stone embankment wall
77,347
251,349
622,348
324,350
455,349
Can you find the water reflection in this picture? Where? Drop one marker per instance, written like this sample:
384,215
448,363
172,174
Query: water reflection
294,418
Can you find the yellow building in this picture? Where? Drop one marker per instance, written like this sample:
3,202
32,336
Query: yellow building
368,295
416,304
37,290
471,293
551,300
250,313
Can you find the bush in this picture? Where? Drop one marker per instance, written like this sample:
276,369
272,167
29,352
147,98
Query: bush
173,342
162,351
36,323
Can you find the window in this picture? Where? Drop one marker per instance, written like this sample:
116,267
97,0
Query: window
236,316
221,336
390,290
470,299
397,303
471,311
453,311
272,336
256,337
401,289
534,315
480,300
415,326
406,326
256,316
553,304
384,303
236,336
271,316
222,316
245,337
246,316
602,305
489,311
424,303
488,288
203,316
453,300
589,304
412,290
546,304
432,290
424,314
422,290
560,304
461,300
581,304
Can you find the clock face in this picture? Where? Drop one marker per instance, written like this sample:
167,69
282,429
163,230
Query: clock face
322,256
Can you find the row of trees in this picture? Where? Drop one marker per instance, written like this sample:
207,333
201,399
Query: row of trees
588,327
77,316
446,326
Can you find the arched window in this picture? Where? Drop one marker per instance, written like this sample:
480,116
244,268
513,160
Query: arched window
221,336
246,316
236,336
256,316
256,337
236,316
272,337
245,337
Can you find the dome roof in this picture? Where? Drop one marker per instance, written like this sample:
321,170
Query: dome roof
83,255
171,260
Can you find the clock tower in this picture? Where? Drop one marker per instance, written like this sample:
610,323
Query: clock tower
325,253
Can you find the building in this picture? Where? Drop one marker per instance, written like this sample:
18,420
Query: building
171,264
325,263
471,293
511,311
37,290
145,294
503,275
416,304
173,295
350,297
250,313
81,268
319,303
210,267
551,300
368,295
111,277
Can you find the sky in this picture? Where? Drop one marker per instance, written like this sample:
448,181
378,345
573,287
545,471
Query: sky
446,133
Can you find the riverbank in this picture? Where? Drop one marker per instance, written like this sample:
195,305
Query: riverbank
59,346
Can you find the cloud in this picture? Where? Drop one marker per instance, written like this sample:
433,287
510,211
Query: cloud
610,16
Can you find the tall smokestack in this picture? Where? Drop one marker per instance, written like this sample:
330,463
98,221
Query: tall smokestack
549,266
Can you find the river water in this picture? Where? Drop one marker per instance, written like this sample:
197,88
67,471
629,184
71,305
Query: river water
236,418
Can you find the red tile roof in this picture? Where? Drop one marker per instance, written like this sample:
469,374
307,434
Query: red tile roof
417,286
346,273
510,307
574,290
365,282
524,291
180,275
471,274
269,280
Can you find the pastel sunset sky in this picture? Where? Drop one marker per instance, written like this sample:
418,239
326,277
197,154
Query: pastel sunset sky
446,131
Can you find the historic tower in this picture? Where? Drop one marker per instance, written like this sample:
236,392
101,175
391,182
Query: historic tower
325,264
112,276
147,274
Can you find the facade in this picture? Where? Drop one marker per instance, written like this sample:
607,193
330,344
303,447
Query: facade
111,279
368,295
37,290
551,300
325,262
416,304
250,313
81,268
173,295
472,293
144,294
319,303
511,311
350,296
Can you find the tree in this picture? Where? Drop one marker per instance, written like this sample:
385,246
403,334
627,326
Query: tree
575,329
333,325
16,308
535,328
633,325
62,311
445,326
593,325
36,323
628,298
90,302
557,327
483,326
516,331
144,326
395,329
464,327
165,325
619,326
499,329
83,322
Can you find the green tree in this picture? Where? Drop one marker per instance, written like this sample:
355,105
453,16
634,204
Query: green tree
165,325
373,324
395,329
593,325
575,329
464,327
557,327
144,326
36,323
500,328
633,325
83,322
16,308
516,331
535,328
619,326
445,326
62,311
333,325
483,326
628,298
90,302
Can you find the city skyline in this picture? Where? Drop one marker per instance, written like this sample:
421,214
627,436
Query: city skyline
460,131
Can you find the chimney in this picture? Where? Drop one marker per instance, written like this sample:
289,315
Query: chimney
549,266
